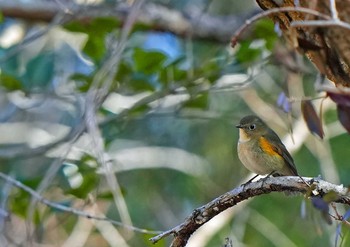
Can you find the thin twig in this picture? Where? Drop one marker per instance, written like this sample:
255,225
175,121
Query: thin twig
266,13
22,152
333,9
321,23
45,183
96,95
71,210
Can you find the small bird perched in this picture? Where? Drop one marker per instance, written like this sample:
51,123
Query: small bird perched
261,150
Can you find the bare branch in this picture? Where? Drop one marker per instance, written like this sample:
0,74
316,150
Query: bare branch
203,214
23,151
269,12
63,208
333,9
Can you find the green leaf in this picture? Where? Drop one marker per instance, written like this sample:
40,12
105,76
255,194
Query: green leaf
11,65
19,201
141,82
137,111
97,30
171,74
95,48
124,72
87,169
264,29
10,82
82,81
148,62
210,70
108,195
311,118
246,54
39,72
199,101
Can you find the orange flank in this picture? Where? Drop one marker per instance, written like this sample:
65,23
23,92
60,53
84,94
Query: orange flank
267,147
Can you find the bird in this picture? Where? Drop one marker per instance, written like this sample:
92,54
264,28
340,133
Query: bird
261,150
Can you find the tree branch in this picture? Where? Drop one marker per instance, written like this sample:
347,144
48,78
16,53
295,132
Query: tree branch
193,22
63,208
204,213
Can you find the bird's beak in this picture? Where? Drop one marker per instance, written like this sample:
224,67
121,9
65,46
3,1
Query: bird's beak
239,126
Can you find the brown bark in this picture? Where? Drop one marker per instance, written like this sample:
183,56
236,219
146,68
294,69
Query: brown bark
327,45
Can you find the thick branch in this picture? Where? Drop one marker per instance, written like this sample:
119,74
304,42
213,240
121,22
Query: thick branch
191,23
203,214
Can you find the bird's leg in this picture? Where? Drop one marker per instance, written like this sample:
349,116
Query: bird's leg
265,178
302,179
250,180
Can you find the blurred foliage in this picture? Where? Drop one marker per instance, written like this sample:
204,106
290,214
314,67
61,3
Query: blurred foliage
97,30
170,154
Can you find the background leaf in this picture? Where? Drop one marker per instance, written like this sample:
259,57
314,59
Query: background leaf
340,98
311,118
344,116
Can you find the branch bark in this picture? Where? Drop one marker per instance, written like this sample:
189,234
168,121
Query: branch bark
288,184
325,43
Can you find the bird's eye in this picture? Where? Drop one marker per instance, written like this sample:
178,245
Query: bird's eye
252,127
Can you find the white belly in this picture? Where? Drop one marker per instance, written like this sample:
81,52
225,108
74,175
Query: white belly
254,161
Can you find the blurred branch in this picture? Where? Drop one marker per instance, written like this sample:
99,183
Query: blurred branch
23,151
203,214
63,208
98,92
193,22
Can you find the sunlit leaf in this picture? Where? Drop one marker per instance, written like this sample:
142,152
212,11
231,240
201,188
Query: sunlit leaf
344,116
311,118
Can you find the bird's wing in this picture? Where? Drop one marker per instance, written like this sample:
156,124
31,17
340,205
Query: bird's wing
282,151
